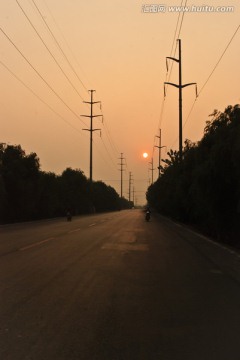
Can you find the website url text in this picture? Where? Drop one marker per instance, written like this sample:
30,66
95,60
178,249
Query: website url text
160,8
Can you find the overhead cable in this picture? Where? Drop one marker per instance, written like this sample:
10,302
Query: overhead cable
38,97
58,45
211,73
37,72
49,51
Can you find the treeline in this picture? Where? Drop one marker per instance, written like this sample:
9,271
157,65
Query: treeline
27,193
204,188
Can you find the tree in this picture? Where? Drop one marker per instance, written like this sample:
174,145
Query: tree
28,193
20,178
105,197
204,188
75,191
49,202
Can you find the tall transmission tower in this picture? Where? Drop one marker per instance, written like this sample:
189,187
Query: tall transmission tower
159,146
151,169
130,186
91,116
133,195
180,86
121,170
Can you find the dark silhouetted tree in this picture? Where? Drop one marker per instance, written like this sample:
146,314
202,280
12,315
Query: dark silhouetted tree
204,188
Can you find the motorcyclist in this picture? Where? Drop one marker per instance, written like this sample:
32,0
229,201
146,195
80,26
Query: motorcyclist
148,212
69,215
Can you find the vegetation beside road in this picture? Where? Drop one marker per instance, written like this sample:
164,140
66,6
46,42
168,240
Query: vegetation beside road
27,193
203,189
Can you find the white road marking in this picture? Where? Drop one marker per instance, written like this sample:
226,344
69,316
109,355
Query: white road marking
125,247
231,251
72,231
36,244
216,271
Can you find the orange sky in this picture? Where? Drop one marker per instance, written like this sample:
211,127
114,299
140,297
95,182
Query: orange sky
120,51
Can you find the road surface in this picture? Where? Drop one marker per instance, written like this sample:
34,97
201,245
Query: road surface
114,287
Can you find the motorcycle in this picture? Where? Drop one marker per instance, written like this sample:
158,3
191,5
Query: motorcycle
147,217
69,216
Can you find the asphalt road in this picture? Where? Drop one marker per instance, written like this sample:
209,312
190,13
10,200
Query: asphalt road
114,287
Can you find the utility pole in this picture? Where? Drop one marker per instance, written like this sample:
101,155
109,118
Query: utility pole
151,168
136,201
148,179
121,169
91,116
130,185
180,87
159,151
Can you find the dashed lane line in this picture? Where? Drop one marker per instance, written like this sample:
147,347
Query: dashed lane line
36,244
49,239
73,231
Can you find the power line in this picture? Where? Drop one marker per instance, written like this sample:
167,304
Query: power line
161,113
109,154
66,42
108,163
37,72
211,73
58,45
219,59
111,142
175,32
180,28
37,96
49,51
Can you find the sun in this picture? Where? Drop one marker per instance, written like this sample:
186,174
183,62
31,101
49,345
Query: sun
145,155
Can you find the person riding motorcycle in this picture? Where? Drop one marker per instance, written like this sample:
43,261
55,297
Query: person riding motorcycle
148,212
69,215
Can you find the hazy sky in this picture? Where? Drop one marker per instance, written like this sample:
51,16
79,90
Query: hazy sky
118,48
